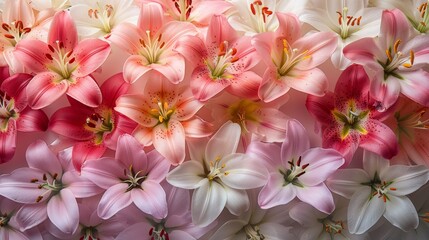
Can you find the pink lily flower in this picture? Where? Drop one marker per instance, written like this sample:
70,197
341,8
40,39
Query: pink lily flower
350,117
132,176
292,60
93,130
152,45
223,61
296,170
63,65
14,114
48,188
396,59
197,12
166,116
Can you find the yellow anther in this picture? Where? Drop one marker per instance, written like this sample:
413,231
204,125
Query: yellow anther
165,105
223,165
389,56
396,45
226,173
285,46
160,118
412,57
154,110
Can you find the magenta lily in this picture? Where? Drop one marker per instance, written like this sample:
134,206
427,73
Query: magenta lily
350,118
223,61
166,116
63,65
132,176
292,60
152,45
396,59
48,188
93,129
14,114
296,170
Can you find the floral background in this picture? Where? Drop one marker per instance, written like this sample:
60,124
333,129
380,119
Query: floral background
214,119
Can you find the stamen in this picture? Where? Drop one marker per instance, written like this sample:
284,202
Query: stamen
396,45
39,198
389,56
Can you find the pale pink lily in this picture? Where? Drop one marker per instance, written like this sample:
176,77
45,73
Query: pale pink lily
258,16
166,116
48,188
292,60
152,45
98,18
93,130
395,60
296,170
349,19
218,175
176,225
15,115
379,190
198,12
223,61
63,65
350,118
258,120
131,177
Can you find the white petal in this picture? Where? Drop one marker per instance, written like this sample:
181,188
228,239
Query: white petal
224,141
305,214
346,182
406,179
243,172
188,175
237,201
364,213
208,202
228,229
374,163
275,231
401,212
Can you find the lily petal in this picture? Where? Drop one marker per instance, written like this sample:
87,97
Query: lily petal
151,200
208,202
90,54
296,142
274,193
63,211
44,89
86,91
401,212
318,196
63,30
113,200
39,156
170,141
237,201
8,139
223,142
32,120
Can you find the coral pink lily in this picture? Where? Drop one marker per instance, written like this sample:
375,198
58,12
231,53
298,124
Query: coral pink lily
63,65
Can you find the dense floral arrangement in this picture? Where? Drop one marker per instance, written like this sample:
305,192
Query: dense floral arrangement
214,119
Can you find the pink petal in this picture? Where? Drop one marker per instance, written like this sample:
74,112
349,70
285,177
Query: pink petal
143,135
83,151
123,125
131,153
86,91
320,46
347,147
197,128
267,153
157,166
15,86
70,122
19,10
353,83
113,88
271,125
200,15
204,87
18,187
289,27
137,108
192,48
187,105
80,186
274,193
394,25
272,88
126,36
170,141
32,53
379,139
321,107
39,156
245,85
63,211
32,120
150,199
219,31
104,172
265,45
311,81
90,54
172,68
386,91
8,142
318,196
114,200
31,215
296,142
63,30
414,86
44,89
174,30
151,17
135,68
365,52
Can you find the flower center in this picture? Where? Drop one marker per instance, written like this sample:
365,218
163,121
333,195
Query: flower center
184,7
162,111
352,119
253,232
7,111
152,47
290,57
134,179
104,14
422,26
4,220
225,57
216,169
89,233
100,125
261,14
294,172
15,31
62,61
333,227
158,233
345,21
396,59
379,188
50,183
243,111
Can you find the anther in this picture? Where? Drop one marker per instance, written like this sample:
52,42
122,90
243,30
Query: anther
55,176
44,177
6,27
10,36
34,180
298,163
396,45
39,198
305,166
49,56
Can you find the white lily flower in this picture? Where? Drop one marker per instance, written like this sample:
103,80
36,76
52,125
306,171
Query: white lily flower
415,10
98,18
219,176
258,16
379,189
349,19
56,5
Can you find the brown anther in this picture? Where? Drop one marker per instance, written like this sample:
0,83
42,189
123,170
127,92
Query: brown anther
349,19
61,45
150,231
354,21
39,198
49,56
396,45
221,49
44,177
300,174
384,198
34,180
142,42
392,188
55,176
162,45
90,124
90,12
423,23
6,27
159,37
10,36
69,53
96,14
291,163
40,186
411,57
226,173
340,18
305,165
189,2
252,8
72,60
358,20
375,193
298,163
51,48
177,7
26,30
